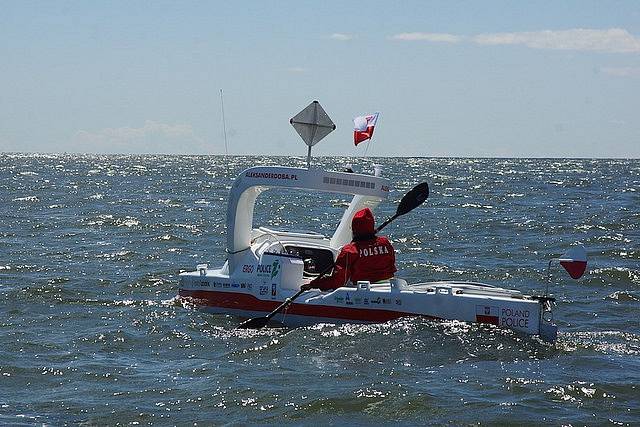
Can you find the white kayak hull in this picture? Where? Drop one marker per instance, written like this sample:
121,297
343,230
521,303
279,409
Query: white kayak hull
265,266
470,302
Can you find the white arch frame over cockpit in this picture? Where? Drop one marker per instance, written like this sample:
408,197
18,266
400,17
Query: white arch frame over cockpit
368,190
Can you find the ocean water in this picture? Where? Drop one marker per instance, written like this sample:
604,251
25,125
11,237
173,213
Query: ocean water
91,330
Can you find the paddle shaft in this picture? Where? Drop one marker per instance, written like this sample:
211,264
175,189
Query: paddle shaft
285,304
289,300
387,222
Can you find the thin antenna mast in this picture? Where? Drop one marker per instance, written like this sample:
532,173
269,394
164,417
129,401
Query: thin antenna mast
224,125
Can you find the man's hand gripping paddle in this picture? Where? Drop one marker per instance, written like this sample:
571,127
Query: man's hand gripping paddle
409,202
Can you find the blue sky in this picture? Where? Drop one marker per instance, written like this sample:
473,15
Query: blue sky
495,79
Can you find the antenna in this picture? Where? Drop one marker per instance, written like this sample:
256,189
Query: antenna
224,125
312,124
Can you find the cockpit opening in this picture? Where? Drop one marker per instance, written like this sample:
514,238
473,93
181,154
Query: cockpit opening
316,260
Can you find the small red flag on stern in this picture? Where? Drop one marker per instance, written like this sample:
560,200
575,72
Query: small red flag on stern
574,261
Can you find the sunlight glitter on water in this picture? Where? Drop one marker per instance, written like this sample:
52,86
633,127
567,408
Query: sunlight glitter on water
90,315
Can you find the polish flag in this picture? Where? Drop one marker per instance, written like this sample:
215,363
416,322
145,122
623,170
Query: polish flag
575,262
363,127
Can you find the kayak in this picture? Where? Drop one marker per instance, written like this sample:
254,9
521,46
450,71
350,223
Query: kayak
265,267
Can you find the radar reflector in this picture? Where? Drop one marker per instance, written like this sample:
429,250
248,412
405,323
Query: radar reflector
312,124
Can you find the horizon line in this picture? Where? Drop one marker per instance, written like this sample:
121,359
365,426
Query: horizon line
304,157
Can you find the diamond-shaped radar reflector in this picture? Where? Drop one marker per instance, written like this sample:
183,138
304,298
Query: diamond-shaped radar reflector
312,124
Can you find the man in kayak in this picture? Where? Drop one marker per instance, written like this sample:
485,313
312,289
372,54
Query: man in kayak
366,257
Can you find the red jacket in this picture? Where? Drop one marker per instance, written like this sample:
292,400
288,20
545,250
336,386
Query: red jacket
371,260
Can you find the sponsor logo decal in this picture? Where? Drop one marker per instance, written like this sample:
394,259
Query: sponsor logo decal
263,269
487,314
272,175
275,268
514,318
270,270
503,316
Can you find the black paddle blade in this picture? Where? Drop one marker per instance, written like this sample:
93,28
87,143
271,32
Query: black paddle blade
255,323
413,199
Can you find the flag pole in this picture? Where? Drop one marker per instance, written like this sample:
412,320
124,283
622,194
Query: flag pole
364,157
224,126
370,141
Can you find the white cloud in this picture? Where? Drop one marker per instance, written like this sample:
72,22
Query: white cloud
617,122
614,40
152,137
430,37
296,69
341,37
621,71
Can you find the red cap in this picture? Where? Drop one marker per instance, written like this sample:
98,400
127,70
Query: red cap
362,223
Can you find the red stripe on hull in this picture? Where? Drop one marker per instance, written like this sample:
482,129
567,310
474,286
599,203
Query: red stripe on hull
492,320
241,301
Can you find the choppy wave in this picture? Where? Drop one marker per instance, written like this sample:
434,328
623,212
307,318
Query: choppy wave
92,245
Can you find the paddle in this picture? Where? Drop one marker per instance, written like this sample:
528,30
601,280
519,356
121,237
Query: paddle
409,202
